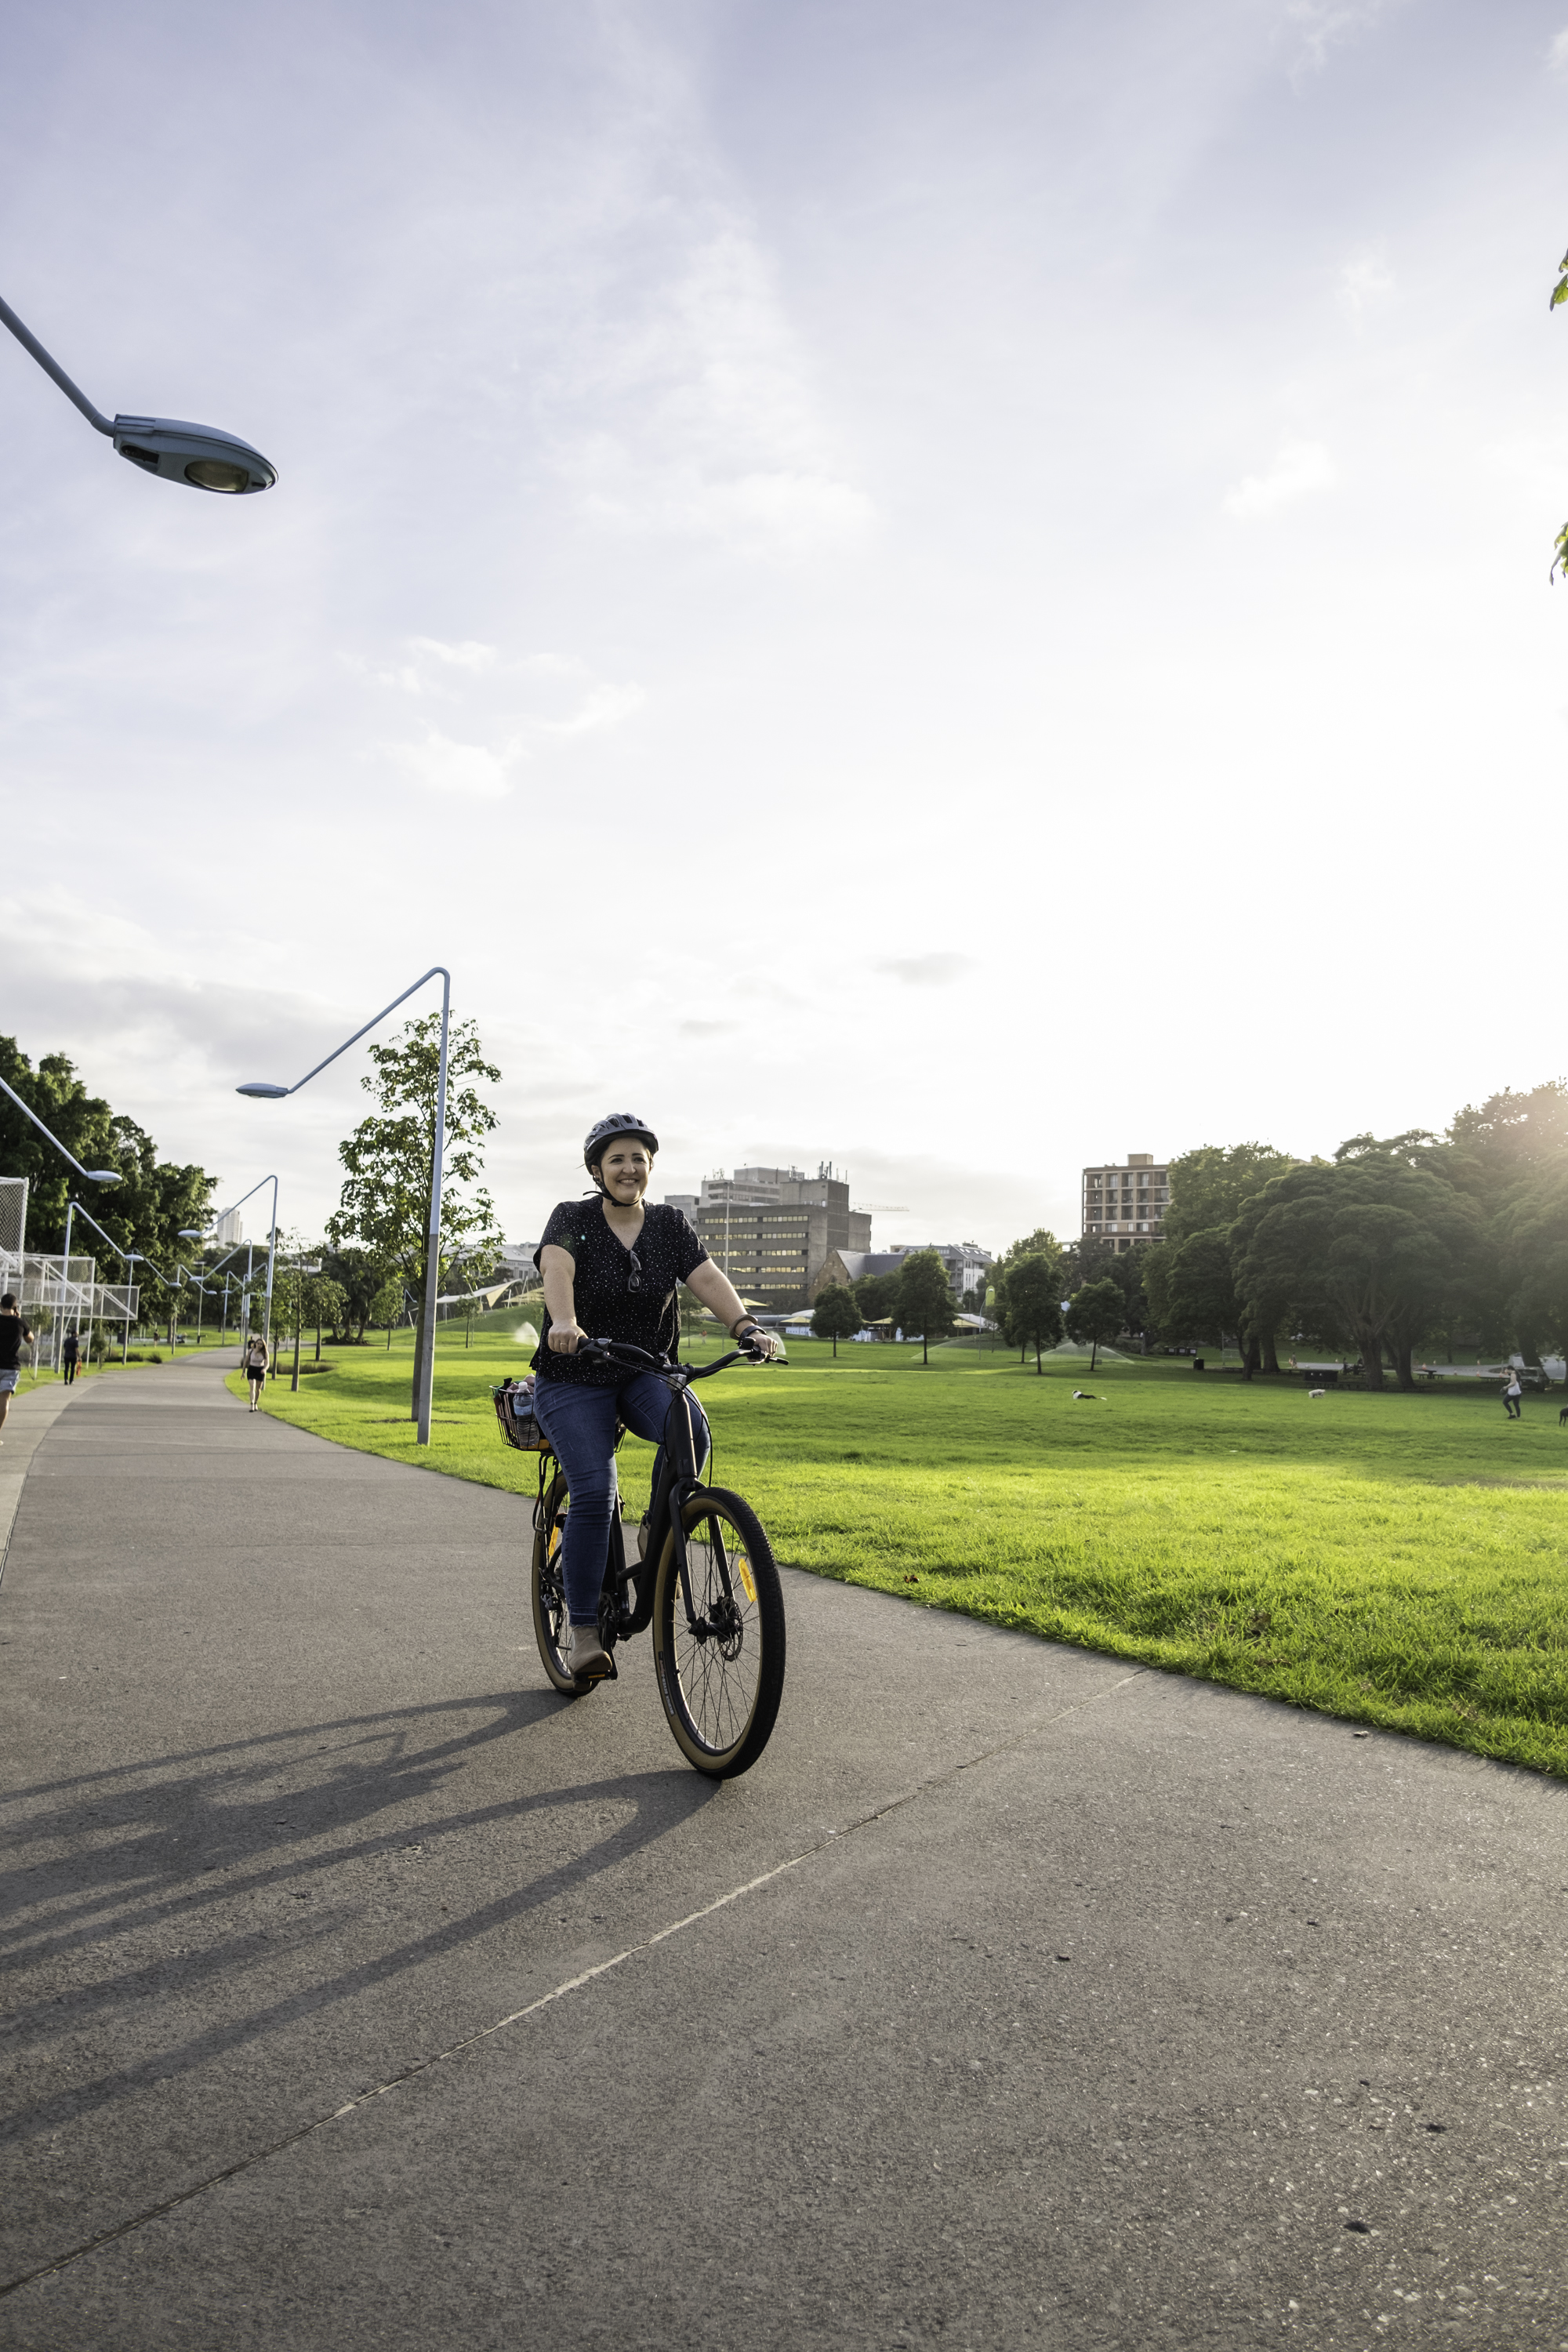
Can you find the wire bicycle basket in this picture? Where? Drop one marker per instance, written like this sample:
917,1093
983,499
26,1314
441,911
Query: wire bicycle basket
518,1421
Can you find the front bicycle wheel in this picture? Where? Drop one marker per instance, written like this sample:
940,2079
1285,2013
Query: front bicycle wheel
722,1677
550,1621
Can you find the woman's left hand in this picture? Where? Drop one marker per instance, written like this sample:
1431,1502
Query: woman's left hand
766,1344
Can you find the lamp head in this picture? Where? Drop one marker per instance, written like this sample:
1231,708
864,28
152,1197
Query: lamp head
196,455
191,1233
104,1175
262,1090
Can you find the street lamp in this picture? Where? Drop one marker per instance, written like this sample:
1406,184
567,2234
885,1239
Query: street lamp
93,1175
126,1257
195,454
211,1281
264,1091
301,1270
271,1251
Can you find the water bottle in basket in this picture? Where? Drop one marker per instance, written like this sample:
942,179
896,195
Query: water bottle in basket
518,1421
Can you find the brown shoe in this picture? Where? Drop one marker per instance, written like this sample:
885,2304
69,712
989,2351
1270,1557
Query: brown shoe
589,1660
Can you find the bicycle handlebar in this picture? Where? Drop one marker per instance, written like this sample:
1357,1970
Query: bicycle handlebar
617,1351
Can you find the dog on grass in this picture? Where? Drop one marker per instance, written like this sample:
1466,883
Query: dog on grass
1317,1393
1563,1416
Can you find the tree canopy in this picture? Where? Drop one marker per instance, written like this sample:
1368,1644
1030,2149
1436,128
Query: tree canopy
1094,1313
1028,1301
145,1210
926,1303
385,1206
836,1315
1211,1186
1372,1245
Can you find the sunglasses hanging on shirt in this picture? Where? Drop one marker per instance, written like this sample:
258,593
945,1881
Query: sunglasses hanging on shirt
634,1279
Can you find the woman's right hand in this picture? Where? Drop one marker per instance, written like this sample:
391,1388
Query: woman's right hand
566,1338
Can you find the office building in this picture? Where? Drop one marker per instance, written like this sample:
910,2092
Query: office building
772,1229
1125,1203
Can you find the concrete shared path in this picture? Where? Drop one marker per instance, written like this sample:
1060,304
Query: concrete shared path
363,1993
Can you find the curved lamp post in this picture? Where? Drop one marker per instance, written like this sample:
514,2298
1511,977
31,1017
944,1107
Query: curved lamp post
93,1175
197,455
272,1247
264,1091
127,1259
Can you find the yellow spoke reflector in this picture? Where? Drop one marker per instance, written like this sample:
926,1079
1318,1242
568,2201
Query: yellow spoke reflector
744,1565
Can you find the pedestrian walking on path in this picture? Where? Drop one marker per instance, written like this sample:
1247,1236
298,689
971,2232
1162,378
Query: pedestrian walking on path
1512,1391
12,1333
255,1361
68,1355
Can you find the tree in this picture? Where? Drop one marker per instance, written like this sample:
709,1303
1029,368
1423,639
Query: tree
1212,1185
361,1277
145,1210
1041,1243
325,1304
1378,1243
1126,1269
1094,1313
1530,1232
877,1297
385,1206
1089,1259
1510,1135
926,1303
1029,1299
836,1315
386,1310
1192,1284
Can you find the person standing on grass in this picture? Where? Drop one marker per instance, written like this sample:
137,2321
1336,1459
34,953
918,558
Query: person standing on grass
1512,1391
254,1362
68,1354
12,1333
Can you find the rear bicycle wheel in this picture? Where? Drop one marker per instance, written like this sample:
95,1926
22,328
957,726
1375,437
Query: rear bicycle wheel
720,1684
550,1621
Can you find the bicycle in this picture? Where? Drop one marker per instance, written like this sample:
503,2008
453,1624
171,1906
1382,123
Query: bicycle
713,1599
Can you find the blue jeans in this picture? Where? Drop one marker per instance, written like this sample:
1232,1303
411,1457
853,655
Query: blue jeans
580,1423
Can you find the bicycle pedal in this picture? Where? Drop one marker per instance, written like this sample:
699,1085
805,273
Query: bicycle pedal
608,1674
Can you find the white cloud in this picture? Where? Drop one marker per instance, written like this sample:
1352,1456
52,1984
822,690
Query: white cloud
467,656
704,422
1322,25
1365,282
1302,469
1557,55
937,971
443,766
514,707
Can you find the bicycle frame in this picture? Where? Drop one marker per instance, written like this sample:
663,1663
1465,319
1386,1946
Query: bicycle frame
680,1480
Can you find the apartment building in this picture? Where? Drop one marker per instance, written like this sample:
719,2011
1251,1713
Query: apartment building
772,1229
1125,1203
968,1267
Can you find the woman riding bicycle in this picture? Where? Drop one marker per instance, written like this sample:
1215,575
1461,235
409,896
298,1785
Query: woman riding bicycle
611,1264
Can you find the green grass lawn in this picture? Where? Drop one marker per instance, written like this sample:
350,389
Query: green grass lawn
1401,1561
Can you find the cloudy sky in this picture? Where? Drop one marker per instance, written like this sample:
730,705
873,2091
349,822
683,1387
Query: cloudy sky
955,588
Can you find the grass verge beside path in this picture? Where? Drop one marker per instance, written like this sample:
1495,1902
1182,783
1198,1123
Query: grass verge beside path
1400,1560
